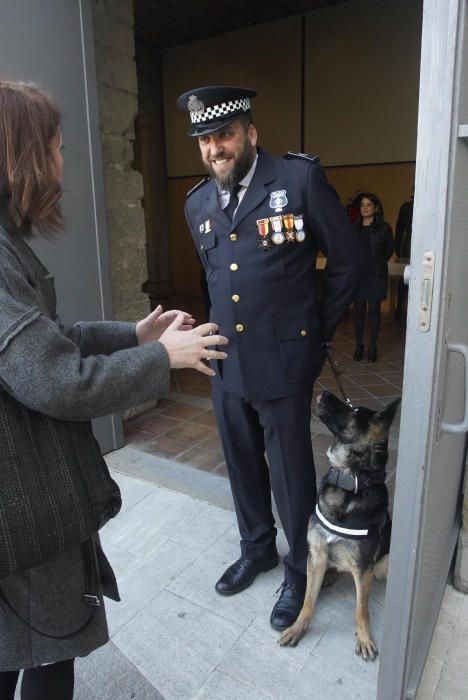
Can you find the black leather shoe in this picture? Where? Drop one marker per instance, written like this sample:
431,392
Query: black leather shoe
372,354
244,572
358,353
288,607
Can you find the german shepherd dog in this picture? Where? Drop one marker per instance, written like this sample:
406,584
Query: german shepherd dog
350,529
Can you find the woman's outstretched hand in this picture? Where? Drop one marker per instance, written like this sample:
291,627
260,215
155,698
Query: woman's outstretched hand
188,348
153,326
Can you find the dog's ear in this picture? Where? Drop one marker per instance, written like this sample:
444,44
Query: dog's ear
388,413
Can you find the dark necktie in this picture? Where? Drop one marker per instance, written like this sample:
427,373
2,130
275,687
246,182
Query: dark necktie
233,202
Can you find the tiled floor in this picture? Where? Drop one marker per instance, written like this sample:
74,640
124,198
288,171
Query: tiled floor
182,427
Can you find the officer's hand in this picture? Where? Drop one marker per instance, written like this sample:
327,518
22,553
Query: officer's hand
190,348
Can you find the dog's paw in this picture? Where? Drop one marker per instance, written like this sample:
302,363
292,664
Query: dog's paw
292,635
367,649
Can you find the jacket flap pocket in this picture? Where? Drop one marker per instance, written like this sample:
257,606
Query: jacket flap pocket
208,241
296,328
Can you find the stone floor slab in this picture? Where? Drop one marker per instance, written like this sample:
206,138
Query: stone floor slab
145,580
177,644
107,674
221,685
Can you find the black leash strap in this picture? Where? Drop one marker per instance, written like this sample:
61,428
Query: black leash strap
90,597
336,374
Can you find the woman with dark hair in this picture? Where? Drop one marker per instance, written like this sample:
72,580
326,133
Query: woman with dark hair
60,377
377,247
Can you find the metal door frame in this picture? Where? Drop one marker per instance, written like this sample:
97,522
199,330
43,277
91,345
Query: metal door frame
425,352
108,429
52,44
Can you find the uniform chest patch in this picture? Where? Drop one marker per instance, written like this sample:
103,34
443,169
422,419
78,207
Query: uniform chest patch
278,200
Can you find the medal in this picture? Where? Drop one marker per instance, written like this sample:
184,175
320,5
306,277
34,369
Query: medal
299,226
263,238
202,228
277,225
278,200
289,223
208,226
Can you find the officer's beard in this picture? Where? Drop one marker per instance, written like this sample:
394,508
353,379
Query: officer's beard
242,165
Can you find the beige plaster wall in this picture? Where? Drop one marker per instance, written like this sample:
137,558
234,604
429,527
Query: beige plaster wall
362,81
264,57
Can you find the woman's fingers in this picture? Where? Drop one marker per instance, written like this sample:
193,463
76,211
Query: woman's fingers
207,328
177,322
215,340
191,348
204,369
214,355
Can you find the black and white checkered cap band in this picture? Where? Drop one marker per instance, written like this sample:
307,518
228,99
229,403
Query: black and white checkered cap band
219,111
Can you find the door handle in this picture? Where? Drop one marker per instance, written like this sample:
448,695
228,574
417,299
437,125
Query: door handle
462,426
407,274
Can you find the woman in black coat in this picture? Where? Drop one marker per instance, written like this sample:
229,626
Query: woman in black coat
377,246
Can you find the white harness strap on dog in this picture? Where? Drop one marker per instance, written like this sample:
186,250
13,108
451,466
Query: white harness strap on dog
344,531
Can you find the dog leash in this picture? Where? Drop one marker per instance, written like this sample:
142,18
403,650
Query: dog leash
336,374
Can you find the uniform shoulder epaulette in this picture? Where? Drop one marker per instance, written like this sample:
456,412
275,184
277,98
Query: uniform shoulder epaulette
305,156
198,185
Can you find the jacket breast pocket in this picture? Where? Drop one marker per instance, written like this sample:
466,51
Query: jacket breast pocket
300,346
275,264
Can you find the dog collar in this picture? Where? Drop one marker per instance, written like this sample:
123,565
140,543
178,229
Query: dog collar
350,533
353,482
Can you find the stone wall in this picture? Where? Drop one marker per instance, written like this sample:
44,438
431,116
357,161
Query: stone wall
118,105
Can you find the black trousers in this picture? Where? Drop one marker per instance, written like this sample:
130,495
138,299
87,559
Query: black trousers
280,427
50,682
359,318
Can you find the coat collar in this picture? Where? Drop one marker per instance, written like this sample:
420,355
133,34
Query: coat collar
256,192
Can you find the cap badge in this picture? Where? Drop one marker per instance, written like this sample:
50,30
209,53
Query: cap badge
195,105
278,200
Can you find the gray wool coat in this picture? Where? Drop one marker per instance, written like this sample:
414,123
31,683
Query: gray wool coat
72,373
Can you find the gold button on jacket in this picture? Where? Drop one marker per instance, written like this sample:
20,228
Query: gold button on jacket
303,332
235,297
233,266
233,236
239,328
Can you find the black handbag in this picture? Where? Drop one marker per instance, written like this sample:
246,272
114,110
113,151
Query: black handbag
55,488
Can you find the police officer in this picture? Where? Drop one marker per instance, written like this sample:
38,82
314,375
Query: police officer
258,223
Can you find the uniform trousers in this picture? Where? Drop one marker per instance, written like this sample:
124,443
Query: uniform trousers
281,427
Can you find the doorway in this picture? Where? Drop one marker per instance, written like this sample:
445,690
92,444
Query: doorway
425,369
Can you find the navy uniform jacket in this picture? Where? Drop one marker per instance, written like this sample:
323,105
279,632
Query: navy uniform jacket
268,307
